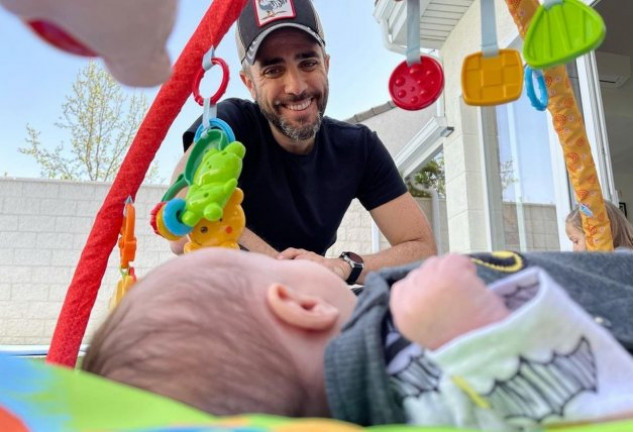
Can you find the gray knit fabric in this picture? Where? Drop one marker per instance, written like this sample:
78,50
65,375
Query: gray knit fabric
355,379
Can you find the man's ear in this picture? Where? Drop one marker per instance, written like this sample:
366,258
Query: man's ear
327,62
300,310
248,82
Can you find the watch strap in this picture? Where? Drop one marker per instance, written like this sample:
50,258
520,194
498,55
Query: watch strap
356,263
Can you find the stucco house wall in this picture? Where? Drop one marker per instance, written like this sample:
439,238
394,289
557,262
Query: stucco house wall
395,126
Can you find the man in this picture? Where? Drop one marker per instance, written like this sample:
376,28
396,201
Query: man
301,170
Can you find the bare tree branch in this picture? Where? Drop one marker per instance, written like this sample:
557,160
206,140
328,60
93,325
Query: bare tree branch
101,122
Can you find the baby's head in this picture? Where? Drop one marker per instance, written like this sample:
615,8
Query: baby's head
228,332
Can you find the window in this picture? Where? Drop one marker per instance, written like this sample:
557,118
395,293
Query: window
522,185
428,187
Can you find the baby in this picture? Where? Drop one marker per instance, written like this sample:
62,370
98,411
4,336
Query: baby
232,332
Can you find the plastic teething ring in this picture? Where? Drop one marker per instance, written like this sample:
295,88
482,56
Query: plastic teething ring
170,213
540,103
215,123
218,94
158,224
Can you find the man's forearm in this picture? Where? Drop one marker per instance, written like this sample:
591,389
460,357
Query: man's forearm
408,231
400,254
254,243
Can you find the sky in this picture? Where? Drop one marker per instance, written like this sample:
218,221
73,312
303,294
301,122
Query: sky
35,78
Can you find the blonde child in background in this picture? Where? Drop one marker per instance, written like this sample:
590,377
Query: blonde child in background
621,228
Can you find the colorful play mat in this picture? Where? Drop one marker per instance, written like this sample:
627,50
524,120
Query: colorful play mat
39,397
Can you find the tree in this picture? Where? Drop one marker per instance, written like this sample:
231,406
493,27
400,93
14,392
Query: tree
433,176
506,171
101,121
430,176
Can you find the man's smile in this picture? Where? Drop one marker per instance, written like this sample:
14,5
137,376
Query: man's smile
299,106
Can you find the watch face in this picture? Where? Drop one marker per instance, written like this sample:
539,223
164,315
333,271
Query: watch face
354,257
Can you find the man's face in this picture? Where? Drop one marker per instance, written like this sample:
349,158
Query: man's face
289,82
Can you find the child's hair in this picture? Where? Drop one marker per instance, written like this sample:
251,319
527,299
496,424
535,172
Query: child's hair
198,339
621,228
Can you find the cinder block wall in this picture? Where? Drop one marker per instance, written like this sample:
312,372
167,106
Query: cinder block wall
44,225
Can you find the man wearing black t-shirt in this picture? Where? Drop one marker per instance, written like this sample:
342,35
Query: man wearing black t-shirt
302,170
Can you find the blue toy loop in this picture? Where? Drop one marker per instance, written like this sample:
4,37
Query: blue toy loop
538,103
171,219
585,210
217,124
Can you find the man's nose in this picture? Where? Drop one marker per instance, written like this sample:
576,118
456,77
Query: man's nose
295,83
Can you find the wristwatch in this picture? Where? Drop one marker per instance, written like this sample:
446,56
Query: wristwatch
356,263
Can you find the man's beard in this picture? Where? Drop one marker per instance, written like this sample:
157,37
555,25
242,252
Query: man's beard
297,133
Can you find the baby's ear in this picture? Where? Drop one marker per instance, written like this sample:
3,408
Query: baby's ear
300,310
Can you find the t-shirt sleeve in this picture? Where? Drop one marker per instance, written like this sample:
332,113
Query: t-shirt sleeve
381,181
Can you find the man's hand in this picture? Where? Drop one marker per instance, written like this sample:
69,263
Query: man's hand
443,299
336,265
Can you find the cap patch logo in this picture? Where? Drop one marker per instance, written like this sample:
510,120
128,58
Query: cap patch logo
271,10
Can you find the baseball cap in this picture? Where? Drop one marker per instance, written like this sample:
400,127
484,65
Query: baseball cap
262,17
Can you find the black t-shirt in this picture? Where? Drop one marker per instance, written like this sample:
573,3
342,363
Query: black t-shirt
299,200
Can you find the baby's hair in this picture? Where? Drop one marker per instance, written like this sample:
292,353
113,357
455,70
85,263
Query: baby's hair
200,341
621,228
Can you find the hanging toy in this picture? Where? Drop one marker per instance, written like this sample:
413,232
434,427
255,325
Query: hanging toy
211,175
492,76
417,86
417,82
127,253
560,31
211,212
221,233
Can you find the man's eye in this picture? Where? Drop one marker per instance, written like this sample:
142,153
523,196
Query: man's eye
272,72
309,64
